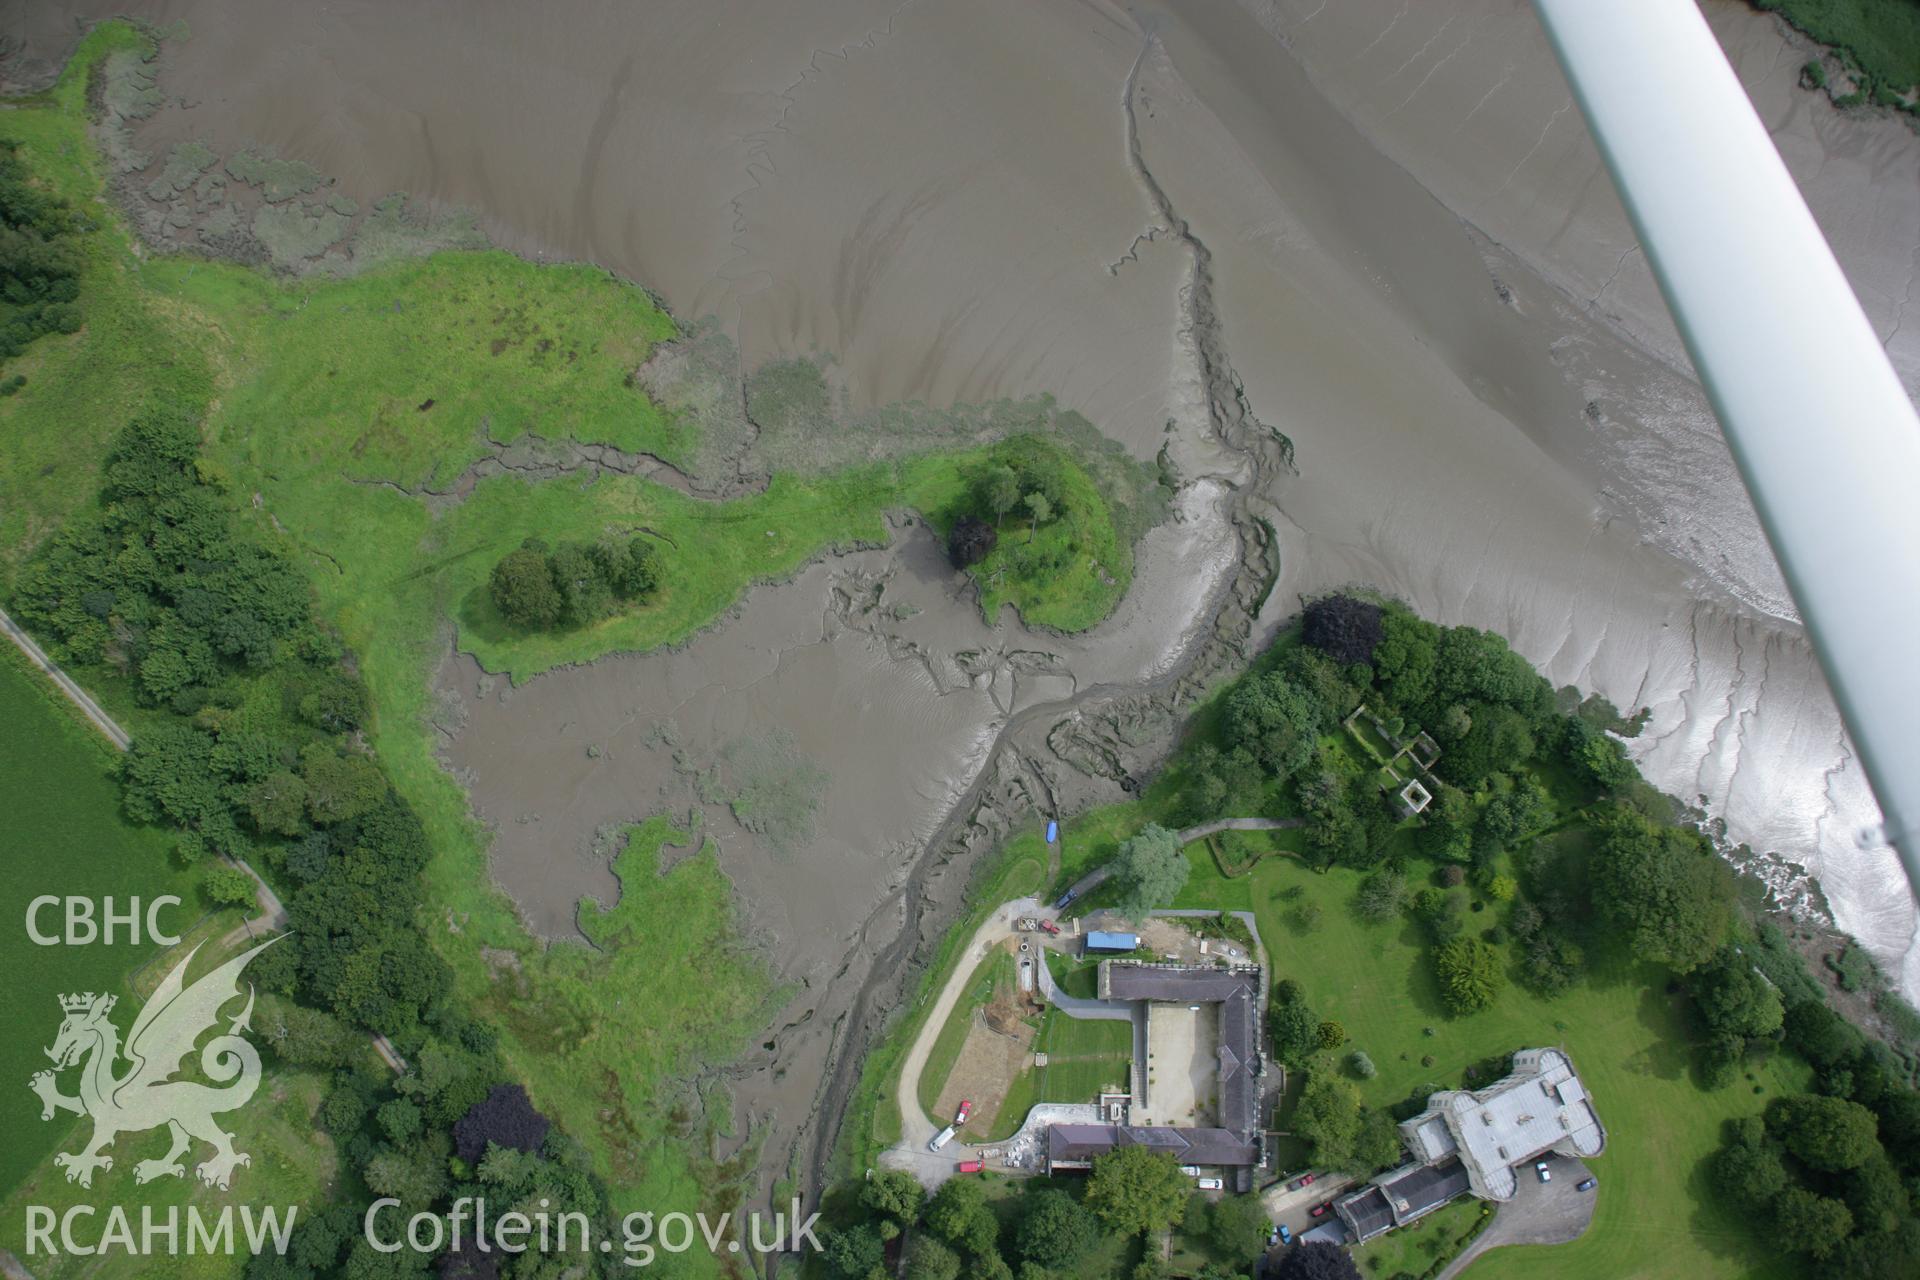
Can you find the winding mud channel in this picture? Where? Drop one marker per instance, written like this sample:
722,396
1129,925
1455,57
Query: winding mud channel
1376,230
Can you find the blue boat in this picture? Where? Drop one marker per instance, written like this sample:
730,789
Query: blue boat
1053,832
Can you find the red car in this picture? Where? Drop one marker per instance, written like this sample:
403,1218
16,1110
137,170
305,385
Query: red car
1304,1180
966,1109
1320,1210
969,1166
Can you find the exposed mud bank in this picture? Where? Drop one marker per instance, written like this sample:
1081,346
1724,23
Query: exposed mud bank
852,739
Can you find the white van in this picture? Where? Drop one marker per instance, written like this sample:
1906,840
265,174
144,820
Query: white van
1209,1184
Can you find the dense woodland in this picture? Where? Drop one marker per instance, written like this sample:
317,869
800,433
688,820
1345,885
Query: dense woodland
254,751
39,262
576,584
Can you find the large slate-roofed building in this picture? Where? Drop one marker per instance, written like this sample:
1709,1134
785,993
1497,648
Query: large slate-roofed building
1542,1106
1236,1143
1470,1141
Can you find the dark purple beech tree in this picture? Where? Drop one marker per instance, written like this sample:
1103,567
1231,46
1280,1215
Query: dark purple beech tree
506,1117
1343,628
1316,1261
971,541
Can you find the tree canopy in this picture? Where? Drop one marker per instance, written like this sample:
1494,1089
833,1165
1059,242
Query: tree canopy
1137,1191
39,260
1295,1031
506,1118
895,1194
970,541
1055,1230
1662,885
958,1213
1345,1134
1150,870
1344,628
1734,999
1276,720
574,584
1471,973
1834,1134
1236,1229
1316,1261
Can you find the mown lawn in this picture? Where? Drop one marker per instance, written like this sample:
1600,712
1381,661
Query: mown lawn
1075,977
1415,1248
1084,1056
1630,1040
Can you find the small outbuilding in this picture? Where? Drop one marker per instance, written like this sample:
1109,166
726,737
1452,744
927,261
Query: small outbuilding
1111,944
1414,798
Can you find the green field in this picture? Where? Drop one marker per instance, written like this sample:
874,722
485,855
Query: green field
64,837
292,1167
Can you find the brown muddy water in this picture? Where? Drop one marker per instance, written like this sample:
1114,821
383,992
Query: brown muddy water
1378,228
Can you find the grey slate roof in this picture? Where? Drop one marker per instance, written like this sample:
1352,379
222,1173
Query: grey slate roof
1541,1107
1080,1143
1423,1188
1366,1212
1175,985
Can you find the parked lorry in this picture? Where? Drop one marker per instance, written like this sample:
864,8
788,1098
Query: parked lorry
941,1139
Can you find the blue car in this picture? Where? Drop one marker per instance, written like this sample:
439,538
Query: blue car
1286,1236
1065,898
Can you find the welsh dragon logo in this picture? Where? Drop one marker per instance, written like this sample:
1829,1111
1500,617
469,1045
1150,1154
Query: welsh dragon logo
147,1096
